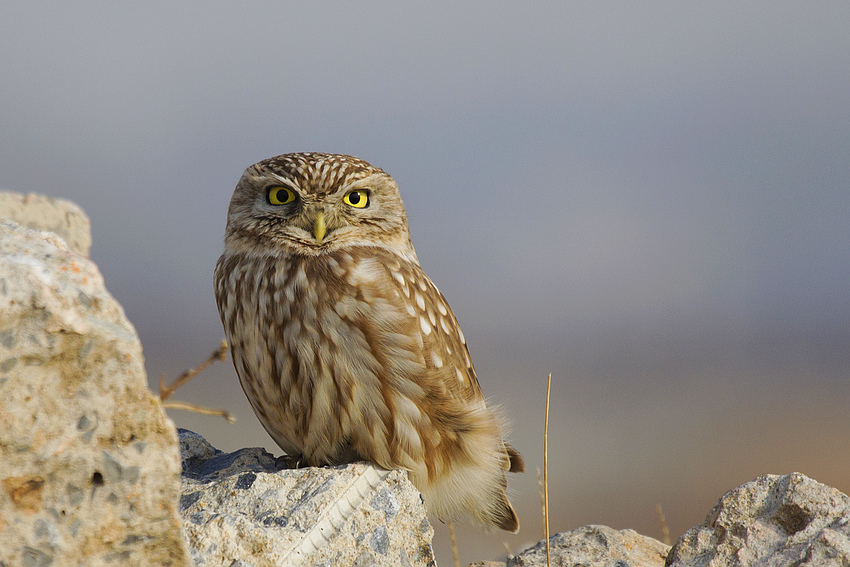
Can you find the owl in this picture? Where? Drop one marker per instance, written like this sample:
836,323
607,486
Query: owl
344,347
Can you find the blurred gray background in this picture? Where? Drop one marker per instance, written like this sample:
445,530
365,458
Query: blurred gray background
650,201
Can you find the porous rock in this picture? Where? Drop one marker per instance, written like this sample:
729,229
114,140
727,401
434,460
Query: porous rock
63,218
591,546
239,509
773,520
89,463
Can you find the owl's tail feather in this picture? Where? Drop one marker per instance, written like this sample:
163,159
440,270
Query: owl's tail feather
517,462
504,516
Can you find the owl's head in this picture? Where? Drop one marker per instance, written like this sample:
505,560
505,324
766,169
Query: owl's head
313,204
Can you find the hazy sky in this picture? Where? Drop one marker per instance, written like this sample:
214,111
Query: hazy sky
649,200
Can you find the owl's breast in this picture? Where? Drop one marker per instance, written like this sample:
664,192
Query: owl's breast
344,351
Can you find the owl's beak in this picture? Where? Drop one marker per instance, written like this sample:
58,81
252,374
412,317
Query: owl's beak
319,228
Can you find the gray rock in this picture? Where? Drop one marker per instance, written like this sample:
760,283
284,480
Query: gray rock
773,520
89,463
63,218
591,546
238,509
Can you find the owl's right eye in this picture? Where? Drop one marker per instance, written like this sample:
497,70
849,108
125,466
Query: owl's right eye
281,195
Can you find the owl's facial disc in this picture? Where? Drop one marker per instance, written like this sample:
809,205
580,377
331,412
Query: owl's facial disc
286,206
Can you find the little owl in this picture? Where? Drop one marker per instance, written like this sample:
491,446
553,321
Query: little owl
344,347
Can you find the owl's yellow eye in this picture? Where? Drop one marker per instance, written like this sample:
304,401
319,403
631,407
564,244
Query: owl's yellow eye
359,199
281,195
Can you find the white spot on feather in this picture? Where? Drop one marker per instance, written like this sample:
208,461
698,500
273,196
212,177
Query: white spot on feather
445,325
435,358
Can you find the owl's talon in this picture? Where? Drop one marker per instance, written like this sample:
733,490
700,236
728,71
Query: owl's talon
289,462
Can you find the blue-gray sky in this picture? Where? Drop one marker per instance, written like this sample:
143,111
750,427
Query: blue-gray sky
649,200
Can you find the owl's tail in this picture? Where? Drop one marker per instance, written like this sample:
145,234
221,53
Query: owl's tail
472,482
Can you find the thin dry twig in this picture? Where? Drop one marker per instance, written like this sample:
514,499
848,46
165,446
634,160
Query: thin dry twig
546,467
166,391
454,543
665,531
200,409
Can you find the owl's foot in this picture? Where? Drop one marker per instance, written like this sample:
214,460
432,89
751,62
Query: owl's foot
290,462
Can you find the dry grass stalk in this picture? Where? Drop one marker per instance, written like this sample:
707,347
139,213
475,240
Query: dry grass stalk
546,468
452,538
542,502
662,520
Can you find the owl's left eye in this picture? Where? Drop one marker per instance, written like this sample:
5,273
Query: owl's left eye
359,198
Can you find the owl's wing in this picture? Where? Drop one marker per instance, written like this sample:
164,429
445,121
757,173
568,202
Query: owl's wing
441,342
444,372
443,346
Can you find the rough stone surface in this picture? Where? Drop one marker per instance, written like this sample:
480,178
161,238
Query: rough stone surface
63,218
89,469
238,509
591,546
773,520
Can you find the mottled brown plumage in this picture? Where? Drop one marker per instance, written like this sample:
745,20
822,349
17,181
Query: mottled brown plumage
344,347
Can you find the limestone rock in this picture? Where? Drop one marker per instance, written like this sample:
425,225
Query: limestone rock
63,218
89,469
592,546
238,509
773,520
